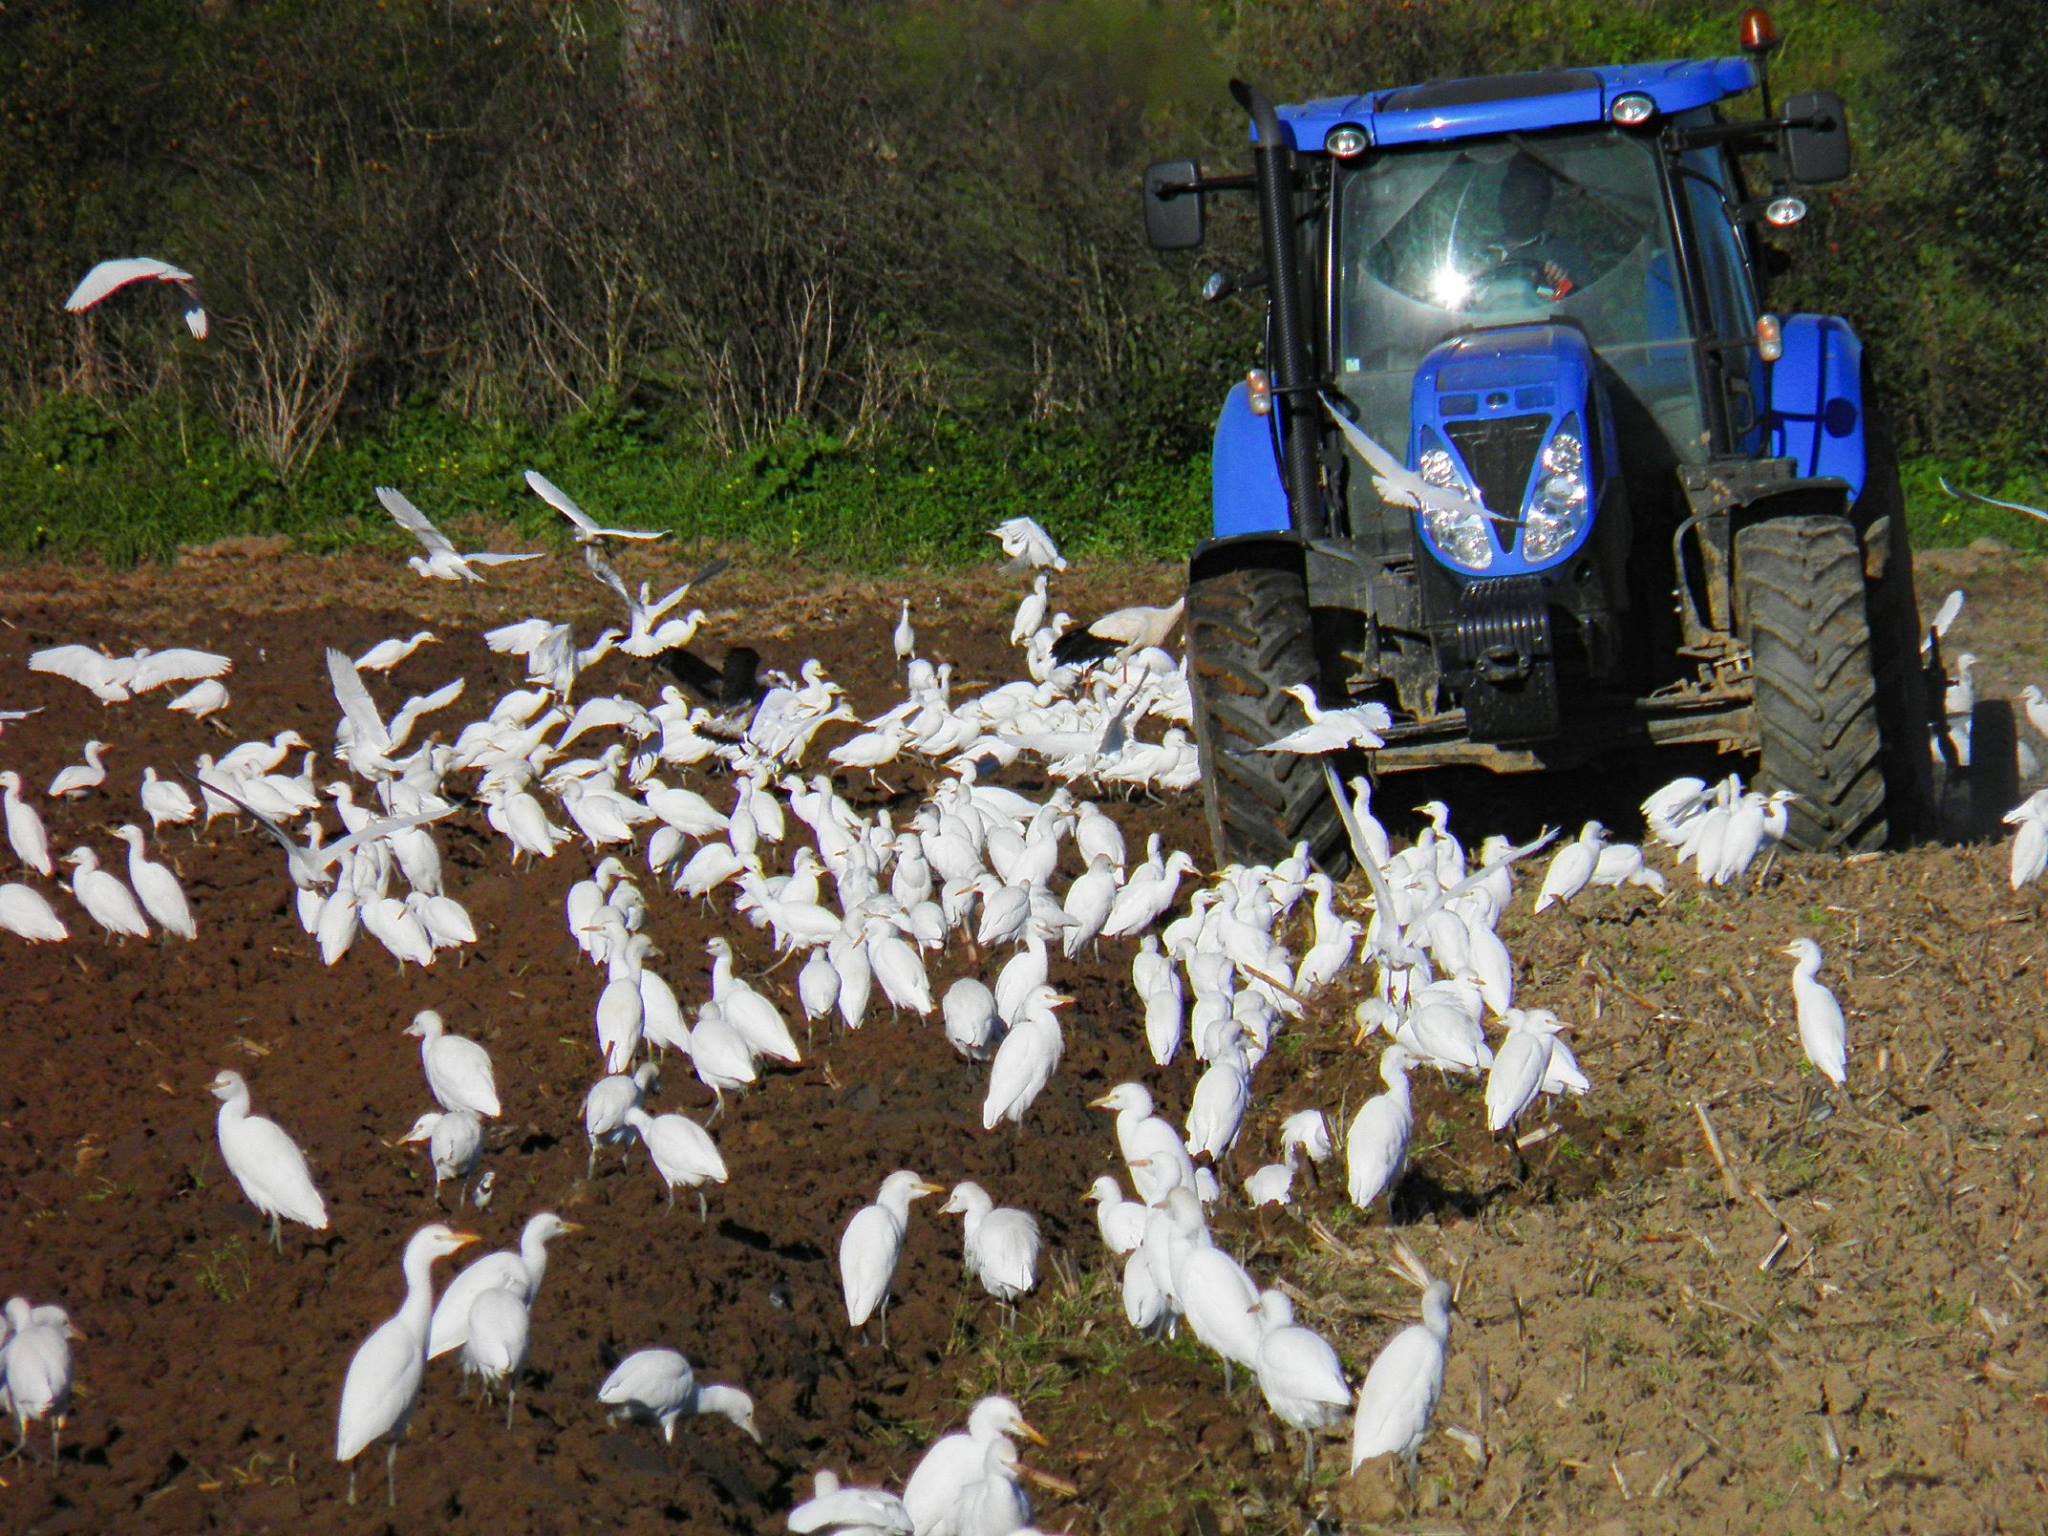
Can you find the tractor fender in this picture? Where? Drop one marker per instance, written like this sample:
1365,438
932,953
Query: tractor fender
1815,409
1280,550
1246,493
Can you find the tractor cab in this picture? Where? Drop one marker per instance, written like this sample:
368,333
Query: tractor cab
1522,413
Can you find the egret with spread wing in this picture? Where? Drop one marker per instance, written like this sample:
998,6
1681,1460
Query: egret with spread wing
441,561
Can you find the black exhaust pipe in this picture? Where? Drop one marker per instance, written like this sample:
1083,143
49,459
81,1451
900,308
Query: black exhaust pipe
1293,385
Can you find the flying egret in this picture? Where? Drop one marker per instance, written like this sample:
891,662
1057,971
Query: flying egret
1027,544
106,900
1117,634
1001,1243
519,1269
1401,1390
682,1151
25,832
111,276
872,1245
658,1385
441,562
201,700
265,1161
455,1144
458,1070
1822,1033
586,529
383,1383
310,866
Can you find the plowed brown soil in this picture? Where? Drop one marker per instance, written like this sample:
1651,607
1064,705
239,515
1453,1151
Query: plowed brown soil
1626,1354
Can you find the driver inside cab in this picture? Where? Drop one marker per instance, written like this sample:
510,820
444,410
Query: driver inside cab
1556,266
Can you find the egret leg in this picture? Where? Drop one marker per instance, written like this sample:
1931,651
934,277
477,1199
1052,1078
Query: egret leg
276,1232
391,1474
1414,1480
1308,1456
461,1194
56,1432
351,1485
590,1168
703,1210
717,1107
885,1324
671,1199
511,1397
1229,1382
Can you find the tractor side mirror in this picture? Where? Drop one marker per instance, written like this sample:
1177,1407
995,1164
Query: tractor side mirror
1816,151
1173,208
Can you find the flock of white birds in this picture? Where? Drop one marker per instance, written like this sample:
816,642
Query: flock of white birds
866,900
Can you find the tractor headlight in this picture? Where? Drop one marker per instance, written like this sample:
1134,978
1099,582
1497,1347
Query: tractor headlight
1562,499
1460,537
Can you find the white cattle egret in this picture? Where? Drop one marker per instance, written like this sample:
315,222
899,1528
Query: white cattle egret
1001,1242
605,1106
904,640
386,654
110,277
586,529
683,1153
871,1246
383,1383
35,1368
161,894
27,914
81,779
308,865
1402,1387
25,833
1121,1222
500,1329
265,1161
1152,1149
1822,1033
162,801
458,1070
1214,1293
441,561
970,1012
758,1021
520,1269
1376,1146
1520,1066
2029,846
835,1510
956,1462
1025,1061
106,900
1308,1130
1571,867
658,1385
202,699
1300,1376
1030,612
455,1144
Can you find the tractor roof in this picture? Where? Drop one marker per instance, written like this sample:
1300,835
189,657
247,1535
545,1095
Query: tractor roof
1553,98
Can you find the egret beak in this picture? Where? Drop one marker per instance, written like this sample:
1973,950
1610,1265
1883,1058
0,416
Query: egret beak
464,1239
1030,1434
931,1189
571,1228
1101,1103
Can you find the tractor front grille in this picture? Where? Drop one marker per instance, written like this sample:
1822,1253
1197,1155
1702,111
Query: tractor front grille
1500,453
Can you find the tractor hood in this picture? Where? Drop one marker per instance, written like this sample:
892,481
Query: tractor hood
1503,415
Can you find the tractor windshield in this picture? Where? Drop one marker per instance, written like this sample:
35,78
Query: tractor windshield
1433,242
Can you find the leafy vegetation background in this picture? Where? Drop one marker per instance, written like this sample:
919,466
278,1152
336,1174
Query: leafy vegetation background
847,279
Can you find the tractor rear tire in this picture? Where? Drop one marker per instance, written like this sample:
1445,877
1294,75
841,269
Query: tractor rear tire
1993,777
1802,607
1249,636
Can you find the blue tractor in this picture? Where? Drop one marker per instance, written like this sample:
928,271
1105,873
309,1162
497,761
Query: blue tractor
1530,461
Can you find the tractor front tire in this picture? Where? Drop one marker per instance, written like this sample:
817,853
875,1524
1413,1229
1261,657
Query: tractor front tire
1249,636
1801,604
